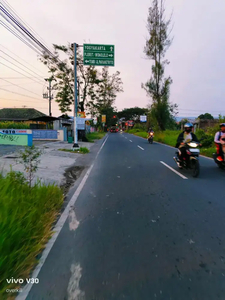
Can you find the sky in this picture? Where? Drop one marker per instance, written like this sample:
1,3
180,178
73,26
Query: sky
197,64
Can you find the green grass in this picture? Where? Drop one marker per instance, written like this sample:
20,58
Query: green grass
95,136
82,150
26,218
13,125
141,133
208,151
169,137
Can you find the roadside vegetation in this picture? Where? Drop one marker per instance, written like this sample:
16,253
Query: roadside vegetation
14,125
28,211
82,150
169,137
26,218
95,136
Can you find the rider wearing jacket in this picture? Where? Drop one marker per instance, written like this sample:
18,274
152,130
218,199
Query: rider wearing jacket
186,136
150,130
218,140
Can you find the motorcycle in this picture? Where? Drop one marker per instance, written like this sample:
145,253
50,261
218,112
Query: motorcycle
150,137
191,160
221,164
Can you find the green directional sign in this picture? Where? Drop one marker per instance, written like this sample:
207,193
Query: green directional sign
98,55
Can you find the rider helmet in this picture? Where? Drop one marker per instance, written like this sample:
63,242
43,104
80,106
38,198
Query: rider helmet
222,127
188,127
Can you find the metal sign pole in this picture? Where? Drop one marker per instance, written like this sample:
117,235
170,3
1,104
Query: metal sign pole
75,145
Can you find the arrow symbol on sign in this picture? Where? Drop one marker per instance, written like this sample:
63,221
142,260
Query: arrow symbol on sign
86,61
111,48
110,55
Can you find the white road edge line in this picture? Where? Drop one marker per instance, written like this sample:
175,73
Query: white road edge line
141,148
182,176
25,291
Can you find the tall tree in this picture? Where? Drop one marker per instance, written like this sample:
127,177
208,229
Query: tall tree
63,72
132,113
158,87
206,116
104,94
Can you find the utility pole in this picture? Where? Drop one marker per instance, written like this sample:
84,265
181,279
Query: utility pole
49,96
75,144
75,46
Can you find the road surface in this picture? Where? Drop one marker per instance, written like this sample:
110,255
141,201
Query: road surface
139,230
9,149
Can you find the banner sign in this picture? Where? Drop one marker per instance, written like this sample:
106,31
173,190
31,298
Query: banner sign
143,118
103,118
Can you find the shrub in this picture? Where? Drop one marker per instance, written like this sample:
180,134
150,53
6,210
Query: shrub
205,139
13,125
83,150
26,219
30,159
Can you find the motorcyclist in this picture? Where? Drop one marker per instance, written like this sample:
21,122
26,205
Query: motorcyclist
150,130
218,141
185,137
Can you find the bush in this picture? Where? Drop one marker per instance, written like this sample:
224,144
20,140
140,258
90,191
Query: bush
205,139
30,160
141,134
95,136
83,150
208,151
13,125
26,220
168,137
140,127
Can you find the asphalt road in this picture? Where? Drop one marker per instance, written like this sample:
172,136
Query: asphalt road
140,231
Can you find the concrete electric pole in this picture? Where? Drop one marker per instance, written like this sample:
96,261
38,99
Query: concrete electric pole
49,95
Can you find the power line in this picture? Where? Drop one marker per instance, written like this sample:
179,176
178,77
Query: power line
19,94
194,110
17,66
19,58
29,27
20,63
21,100
19,78
40,107
19,72
19,37
24,30
24,83
19,87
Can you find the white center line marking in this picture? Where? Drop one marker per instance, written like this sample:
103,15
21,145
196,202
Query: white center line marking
141,148
179,174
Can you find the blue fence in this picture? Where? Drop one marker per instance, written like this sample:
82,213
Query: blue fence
45,134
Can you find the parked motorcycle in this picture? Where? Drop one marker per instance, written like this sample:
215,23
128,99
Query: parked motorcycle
191,160
221,164
150,137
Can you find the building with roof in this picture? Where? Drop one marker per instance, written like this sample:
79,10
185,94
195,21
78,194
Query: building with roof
19,114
